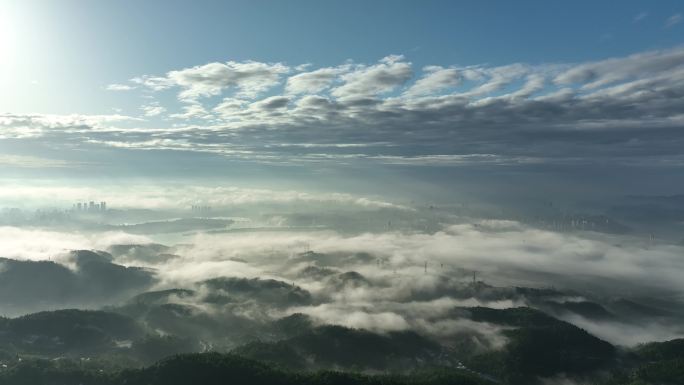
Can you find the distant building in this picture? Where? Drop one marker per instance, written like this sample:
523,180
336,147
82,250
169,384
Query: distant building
200,208
90,206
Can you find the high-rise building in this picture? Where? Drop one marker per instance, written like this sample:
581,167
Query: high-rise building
90,206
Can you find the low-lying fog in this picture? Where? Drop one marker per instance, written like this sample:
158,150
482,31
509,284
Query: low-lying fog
355,261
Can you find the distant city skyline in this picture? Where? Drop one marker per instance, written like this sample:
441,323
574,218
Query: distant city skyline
90,206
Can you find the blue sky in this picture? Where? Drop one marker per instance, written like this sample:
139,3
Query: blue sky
545,91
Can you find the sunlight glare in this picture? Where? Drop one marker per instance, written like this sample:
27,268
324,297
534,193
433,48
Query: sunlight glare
7,36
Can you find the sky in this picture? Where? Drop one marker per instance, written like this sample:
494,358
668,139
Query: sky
427,98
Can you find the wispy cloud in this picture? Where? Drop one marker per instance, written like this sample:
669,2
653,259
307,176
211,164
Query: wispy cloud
120,87
314,81
249,78
27,161
673,20
436,79
153,109
391,72
640,17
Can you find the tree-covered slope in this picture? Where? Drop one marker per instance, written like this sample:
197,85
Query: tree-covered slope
216,369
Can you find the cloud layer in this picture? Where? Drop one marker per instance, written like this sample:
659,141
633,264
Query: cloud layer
399,280
624,110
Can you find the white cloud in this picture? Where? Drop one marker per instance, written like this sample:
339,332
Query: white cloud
598,74
400,295
153,109
36,244
391,72
640,16
192,111
436,79
119,87
496,78
155,83
314,81
271,103
230,107
36,125
620,99
673,20
27,161
249,78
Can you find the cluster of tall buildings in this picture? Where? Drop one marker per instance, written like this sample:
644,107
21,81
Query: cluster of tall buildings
90,206
199,208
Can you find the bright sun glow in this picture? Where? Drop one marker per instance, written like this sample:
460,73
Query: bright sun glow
8,38
7,28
